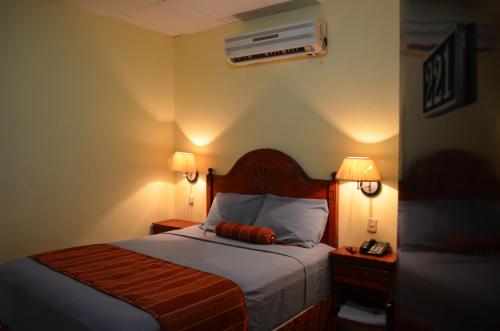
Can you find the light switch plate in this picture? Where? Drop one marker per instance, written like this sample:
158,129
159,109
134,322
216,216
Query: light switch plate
372,225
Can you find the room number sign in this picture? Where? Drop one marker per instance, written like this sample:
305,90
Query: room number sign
449,73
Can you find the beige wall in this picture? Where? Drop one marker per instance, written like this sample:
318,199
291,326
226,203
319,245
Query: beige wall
86,126
316,110
87,118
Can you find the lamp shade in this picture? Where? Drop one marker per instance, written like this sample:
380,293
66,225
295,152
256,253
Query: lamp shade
360,169
183,162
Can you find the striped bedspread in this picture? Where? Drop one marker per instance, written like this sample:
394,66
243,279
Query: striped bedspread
179,298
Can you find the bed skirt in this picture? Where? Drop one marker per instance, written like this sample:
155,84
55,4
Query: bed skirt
315,318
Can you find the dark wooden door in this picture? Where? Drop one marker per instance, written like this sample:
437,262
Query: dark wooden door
449,213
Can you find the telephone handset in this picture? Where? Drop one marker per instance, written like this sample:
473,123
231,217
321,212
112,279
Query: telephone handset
374,247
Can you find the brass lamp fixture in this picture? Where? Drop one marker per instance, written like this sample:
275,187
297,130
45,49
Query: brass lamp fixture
363,171
186,164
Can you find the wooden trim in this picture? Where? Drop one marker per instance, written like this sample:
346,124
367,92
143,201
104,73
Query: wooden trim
210,191
367,280
333,217
264,171
317,317
382,287
343,254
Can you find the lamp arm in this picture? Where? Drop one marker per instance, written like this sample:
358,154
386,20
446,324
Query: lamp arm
360,184
371,189
192,177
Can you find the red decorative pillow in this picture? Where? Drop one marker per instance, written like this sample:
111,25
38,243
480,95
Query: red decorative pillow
251,234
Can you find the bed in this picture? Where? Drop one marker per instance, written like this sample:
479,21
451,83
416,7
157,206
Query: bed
285,287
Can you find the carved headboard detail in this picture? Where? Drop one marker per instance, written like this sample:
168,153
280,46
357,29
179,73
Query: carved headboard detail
265,171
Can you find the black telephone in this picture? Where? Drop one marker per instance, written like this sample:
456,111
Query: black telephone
374,247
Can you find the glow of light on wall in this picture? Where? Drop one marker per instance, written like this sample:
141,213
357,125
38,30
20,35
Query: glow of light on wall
150,202
355,208
370,138
364,126
152,198
196,212
367,127
371,130
200,140
203,131
201,136
366,112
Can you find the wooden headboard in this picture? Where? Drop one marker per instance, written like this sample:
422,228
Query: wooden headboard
265,171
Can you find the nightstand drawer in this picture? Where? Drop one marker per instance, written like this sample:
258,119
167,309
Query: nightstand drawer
361,272
367,280
162,228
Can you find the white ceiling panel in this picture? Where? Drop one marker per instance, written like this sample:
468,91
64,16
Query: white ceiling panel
229,19
178,17
225,8
171,18
110,8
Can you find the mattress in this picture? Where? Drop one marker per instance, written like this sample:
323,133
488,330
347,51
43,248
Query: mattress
278,282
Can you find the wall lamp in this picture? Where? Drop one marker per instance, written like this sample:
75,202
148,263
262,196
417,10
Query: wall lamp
363,171
186,164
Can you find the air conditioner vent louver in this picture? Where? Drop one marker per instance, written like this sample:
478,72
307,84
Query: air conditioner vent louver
306,38
269,55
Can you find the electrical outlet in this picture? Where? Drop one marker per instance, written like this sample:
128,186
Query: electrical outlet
372,225
191,200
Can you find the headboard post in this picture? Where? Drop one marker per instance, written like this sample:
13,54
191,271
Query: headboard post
333,202
268,171
210,188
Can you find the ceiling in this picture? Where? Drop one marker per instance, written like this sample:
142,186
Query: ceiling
179,17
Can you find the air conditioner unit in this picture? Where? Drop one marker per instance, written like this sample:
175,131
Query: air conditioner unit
299,39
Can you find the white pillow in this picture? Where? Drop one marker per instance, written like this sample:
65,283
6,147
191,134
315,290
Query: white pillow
295,220
237,208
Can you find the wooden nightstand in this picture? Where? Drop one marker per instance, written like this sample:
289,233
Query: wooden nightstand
367,280
169,225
